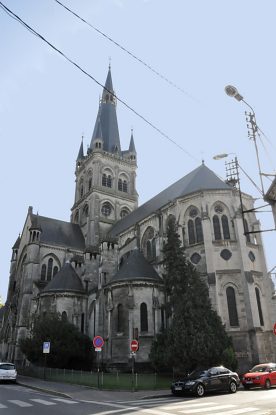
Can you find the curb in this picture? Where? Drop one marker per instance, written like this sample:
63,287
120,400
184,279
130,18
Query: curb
40,389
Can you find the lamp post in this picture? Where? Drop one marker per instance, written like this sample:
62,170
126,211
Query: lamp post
253,129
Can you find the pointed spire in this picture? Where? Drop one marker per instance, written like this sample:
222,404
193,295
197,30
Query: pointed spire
81,155
108,82
131,144
106,126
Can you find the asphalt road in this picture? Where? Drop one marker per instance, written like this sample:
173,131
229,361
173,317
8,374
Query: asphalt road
20,400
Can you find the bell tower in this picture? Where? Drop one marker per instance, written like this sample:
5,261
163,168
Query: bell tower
106,176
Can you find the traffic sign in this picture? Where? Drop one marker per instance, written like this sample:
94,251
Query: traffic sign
274,329
98,342
134,345
46,347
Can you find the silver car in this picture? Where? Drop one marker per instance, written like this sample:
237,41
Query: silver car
7,372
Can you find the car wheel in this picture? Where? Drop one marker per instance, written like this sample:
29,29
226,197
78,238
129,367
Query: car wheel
267,384
200,390
232,387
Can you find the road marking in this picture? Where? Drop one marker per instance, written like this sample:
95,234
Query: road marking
211,408
152,400
152,403
43,402
187,405
65,400
117,410
2,406
20,403
239,411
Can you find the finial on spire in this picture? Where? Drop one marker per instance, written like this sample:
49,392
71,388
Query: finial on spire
109,64
203,162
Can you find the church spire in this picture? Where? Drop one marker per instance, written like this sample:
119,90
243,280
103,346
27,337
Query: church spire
80,154
107,120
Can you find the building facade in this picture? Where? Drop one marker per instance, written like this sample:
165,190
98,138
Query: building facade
103,270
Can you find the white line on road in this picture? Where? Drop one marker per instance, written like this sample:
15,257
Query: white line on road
187,404
43,402
211,408
65,400
239,411
2,406
20,403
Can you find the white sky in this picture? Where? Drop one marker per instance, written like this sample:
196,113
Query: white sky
46,104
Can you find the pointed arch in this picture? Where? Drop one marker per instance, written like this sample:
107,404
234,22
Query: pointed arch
198,230
232,307
49,269
258,298
225,227
120,316
246,230
43,272
191,232
143,317
216,226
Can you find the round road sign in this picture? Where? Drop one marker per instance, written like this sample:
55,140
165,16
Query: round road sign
98,342
134,345
274,329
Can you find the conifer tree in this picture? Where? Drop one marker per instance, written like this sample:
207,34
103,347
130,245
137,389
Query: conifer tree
195,335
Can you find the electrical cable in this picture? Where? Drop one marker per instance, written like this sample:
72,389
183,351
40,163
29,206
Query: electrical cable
127,51
164,135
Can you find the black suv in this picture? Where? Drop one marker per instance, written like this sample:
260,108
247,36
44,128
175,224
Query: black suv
207,380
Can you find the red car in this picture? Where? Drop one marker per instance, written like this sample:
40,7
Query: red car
262,375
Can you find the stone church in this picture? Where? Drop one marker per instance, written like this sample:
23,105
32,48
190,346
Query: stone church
102,270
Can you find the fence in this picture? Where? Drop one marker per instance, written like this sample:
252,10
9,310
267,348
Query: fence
101,380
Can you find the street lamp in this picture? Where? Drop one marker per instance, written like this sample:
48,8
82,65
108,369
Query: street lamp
252,126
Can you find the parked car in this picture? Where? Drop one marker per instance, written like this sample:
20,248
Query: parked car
208,380
8,372
262,375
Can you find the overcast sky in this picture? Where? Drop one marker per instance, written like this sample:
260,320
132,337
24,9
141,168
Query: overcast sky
46,104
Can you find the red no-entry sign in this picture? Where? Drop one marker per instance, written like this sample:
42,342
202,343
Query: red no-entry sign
134,345
274,329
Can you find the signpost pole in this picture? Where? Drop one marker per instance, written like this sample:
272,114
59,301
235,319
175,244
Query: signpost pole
132,370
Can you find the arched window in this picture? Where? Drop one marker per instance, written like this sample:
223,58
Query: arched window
55,270
191,232
43,272
198,229
258,298
64,316
216,226
106,209
77,216
149,250
225,227
120,315
144,317
81,191
120,185
109,181
124,212
50,268
85,211
232,307
153,245
104,180
148,244
89,183
246,230
125,186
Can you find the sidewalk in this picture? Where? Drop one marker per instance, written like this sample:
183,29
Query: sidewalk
85,393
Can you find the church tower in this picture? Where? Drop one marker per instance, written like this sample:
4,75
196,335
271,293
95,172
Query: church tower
105,176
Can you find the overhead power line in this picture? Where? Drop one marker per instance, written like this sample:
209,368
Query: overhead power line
34,32
159,74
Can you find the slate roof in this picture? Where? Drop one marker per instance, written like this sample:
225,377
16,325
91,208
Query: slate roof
202,178
136,267
65,280
106,122
58,232
80,154
17,243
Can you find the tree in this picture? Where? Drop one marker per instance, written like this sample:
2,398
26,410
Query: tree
70,349
195,336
